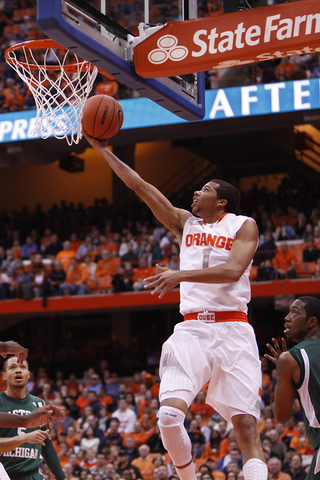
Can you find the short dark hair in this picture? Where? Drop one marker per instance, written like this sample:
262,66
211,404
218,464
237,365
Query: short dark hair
311,306
4,367
228,192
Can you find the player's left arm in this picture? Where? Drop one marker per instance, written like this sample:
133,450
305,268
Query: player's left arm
287,372
241,254
52,460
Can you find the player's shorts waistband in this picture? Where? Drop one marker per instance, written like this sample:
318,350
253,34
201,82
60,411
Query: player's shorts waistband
24,474
216,317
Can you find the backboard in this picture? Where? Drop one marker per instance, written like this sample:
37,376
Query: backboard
87,29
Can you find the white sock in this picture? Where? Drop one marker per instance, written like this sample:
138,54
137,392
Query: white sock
187,473
255,469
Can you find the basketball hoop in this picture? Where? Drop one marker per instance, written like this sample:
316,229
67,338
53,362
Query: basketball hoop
60,83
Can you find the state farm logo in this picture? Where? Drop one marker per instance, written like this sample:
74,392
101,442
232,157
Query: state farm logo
168,48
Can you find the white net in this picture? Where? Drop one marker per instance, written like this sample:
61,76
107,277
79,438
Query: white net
60,83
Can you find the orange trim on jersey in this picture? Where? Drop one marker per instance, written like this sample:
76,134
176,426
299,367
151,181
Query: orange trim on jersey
216,317
222,216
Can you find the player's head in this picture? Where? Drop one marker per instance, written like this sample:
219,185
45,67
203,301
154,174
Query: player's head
228,192
303,320
16,374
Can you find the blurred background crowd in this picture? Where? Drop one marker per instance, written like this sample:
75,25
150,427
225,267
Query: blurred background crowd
73,250
110,429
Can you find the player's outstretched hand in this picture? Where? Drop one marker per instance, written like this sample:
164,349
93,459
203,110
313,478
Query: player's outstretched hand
96,144
165,280
38,436
13,348
276,350
45,414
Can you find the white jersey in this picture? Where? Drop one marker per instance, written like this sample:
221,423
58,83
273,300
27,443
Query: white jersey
207,245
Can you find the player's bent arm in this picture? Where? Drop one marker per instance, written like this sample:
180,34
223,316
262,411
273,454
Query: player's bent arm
173,218
284,394
241,254
10,443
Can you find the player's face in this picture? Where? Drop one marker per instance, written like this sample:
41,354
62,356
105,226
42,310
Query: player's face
16,375
204,199
296,325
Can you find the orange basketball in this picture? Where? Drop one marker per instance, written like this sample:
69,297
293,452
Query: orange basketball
102,117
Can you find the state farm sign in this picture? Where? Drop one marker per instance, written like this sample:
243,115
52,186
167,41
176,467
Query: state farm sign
230,39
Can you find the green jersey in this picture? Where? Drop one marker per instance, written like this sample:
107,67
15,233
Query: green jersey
306,353
26,459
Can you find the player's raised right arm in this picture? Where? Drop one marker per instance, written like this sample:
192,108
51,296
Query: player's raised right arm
173,218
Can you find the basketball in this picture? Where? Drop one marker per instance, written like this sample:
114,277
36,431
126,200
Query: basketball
102,117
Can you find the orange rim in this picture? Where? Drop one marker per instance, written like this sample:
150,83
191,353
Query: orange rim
44,44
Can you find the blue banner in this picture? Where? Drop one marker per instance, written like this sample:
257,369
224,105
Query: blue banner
225,103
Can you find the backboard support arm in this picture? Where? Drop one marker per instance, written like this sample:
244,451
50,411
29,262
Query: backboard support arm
113,55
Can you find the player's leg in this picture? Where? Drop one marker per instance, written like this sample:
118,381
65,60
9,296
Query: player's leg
3,473
248,439
174,405
175,438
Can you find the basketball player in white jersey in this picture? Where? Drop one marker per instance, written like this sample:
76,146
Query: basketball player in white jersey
215,343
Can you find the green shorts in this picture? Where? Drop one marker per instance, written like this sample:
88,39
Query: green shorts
311,475
34,475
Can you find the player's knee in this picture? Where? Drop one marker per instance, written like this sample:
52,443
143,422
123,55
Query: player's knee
170,416
245,427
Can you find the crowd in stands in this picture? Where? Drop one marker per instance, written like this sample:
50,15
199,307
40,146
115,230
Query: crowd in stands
72,250
18,24
110,430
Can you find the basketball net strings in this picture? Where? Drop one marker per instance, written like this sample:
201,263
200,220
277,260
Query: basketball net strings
59,101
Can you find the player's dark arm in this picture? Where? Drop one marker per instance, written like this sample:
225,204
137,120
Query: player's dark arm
173,218
38,417
287,372
13,348
52,460
10,443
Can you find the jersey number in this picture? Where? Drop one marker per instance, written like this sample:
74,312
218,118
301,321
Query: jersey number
21,430
206,254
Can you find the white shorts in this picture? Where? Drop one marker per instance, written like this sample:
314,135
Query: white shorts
3,473
225,354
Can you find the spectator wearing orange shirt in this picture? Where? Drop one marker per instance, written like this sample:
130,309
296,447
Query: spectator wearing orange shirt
301,442
144,463
63,457
45,239
140,273
137,382
288,67
82,401
212,448
201,407
14,99
215,474
66,254
75,280
108,87
104,399
75,242
284,262
291,429
107,266
139,435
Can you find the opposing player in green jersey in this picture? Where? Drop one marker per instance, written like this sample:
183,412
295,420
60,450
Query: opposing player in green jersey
21,448
39,416
298,371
